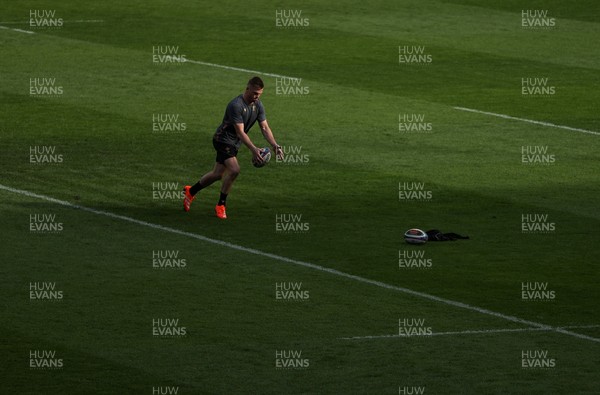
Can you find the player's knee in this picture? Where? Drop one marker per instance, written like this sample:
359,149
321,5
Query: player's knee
218,173
234,171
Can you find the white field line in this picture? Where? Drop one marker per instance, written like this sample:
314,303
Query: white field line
470,332
579,326
219,66
73,21
301,263
467,332
86,21
296,78
17,30
31,32
552,125
238,69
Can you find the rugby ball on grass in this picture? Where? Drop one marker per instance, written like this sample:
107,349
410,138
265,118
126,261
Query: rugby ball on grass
415,236
265,153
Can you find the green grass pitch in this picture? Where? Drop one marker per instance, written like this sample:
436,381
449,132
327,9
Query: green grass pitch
99,133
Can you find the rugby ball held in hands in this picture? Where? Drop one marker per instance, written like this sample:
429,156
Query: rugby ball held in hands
265,154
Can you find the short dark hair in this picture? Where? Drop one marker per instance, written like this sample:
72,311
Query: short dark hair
256,81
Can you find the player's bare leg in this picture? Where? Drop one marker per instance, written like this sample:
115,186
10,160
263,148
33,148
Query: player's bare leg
214,175
190,191
232,171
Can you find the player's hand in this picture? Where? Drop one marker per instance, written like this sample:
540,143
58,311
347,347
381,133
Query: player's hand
256,158
278,151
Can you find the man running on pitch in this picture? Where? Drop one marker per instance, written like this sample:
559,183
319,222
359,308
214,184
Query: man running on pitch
241,113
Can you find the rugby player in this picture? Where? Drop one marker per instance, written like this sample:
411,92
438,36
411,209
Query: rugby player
240,115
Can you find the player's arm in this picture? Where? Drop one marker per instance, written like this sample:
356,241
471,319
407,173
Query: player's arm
239,130
268,134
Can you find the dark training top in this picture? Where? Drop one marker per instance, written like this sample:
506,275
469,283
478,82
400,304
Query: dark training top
238,112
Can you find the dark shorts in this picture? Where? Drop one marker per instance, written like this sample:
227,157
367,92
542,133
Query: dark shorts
224,151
